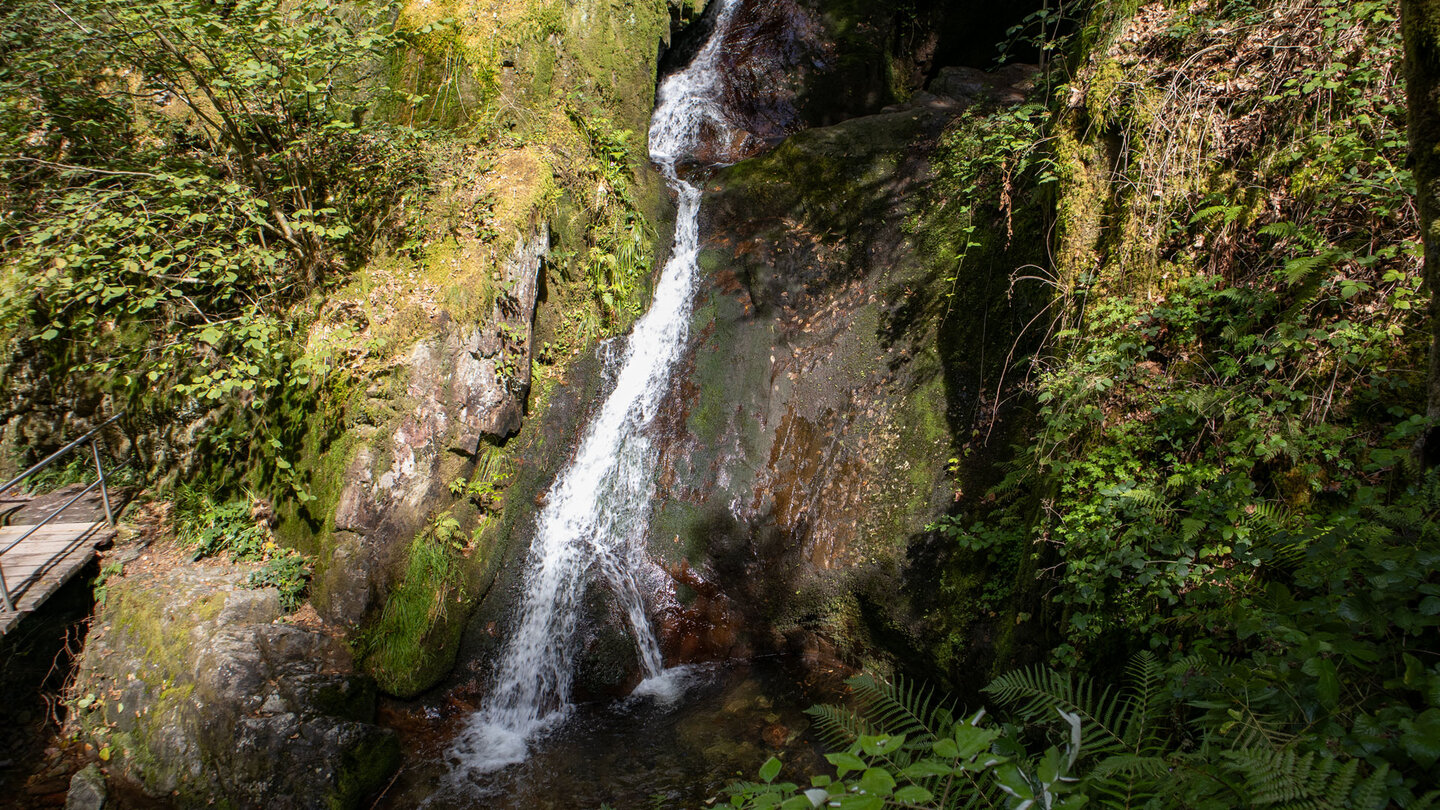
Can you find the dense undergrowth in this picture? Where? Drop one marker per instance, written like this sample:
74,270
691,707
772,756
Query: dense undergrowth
1216,481
181,181
196,194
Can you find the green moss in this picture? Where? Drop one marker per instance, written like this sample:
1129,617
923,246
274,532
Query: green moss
1102,25
165,642
1102,91
1080,206
416,637
328,445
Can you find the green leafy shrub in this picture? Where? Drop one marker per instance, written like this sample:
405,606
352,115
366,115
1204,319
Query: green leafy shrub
289,572
228,528
182,178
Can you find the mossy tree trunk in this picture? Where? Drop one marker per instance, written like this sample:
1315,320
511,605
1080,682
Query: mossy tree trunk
1420,21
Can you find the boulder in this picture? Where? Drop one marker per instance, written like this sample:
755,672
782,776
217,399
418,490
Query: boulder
804,447
201,689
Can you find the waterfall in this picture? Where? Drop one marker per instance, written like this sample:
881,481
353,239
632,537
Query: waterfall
595,520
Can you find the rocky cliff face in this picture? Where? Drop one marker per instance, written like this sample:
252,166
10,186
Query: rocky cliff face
806,437
807,441
464,387
520,269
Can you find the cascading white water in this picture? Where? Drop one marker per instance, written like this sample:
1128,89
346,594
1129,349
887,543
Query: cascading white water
595,519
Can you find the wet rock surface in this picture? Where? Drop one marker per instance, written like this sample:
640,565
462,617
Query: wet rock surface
805,447
200,690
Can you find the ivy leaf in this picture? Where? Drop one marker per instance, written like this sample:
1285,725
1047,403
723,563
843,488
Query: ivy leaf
877,782
1421,738
1327,684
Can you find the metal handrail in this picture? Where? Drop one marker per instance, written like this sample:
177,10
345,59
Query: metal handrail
45,462
42,464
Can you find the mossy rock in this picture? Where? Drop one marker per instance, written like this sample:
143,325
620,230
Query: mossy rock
195,691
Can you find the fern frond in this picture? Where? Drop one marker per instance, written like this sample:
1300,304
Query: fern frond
1241,296
838,727
1286,778
1300,268
1373,792
1337,793
1425,802
1275,777
1141,708
1268,517
900,707
1040,694
1251,732
1132,765
1280,230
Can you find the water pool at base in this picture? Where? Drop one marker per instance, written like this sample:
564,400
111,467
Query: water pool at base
641,754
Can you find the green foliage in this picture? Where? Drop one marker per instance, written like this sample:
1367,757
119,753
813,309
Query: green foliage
1217,468
618,259
231,528
289,572
940,761
486,484
1186,426
1107,747
1261,381
101,586
983,160
79,468
180,178
1297,676
226,528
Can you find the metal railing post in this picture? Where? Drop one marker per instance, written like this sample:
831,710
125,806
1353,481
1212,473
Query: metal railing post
104,493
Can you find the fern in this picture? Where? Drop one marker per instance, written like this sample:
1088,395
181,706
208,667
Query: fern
902,707
839,726
1302,268
1041,694
1142,705
1280,230
1286,778
1119,732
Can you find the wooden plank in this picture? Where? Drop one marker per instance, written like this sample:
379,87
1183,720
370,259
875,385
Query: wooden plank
42,563
9,533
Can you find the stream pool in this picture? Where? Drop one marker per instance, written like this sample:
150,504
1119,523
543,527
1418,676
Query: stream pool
638,753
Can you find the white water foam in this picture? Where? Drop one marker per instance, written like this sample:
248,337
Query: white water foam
598,510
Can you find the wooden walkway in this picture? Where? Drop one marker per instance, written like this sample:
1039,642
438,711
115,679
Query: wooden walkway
47,559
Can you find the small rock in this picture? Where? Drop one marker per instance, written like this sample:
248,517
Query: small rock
776,735
87,790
